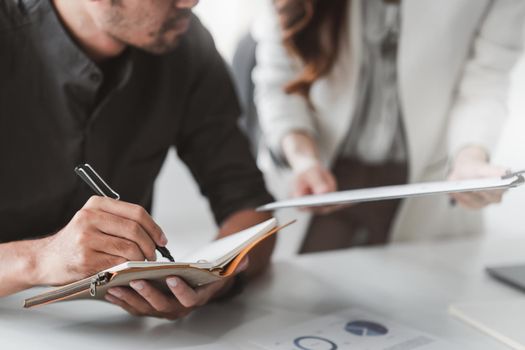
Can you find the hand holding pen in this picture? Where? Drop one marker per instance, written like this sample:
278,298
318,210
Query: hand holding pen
95,181
103,233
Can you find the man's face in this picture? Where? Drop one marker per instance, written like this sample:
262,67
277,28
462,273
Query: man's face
152,25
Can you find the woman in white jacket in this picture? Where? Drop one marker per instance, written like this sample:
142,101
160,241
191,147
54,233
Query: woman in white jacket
374,92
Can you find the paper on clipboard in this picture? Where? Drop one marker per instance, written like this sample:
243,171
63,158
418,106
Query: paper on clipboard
399,191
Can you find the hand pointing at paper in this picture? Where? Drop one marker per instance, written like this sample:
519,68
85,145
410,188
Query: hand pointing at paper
473,181
310,175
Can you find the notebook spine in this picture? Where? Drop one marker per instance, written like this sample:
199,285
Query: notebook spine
65,292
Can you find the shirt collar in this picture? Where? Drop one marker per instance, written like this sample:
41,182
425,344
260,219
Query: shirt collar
57,45
62,56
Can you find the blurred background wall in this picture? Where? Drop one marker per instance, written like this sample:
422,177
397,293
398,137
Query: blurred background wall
183,213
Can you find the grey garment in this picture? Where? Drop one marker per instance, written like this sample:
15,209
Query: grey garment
59,109
376,134
242,67
244,61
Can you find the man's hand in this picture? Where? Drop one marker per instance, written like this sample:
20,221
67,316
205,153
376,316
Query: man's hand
143,299
104,233
472,163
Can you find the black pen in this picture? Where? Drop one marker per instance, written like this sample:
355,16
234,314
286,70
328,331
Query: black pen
93,179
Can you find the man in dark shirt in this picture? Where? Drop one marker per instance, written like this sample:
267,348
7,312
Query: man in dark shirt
113,83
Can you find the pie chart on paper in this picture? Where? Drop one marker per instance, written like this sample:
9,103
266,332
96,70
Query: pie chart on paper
366,329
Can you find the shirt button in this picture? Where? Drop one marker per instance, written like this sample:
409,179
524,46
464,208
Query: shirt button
95,78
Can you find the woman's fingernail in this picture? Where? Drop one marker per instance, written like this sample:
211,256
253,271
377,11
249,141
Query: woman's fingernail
172,282
137,285
115,291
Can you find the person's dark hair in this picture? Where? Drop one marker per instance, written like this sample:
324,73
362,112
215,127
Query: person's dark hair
312,32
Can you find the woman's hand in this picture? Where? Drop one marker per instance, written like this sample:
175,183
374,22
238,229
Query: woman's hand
472,163
315,180
310,175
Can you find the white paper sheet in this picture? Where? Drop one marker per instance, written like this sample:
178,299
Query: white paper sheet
399,191
352,329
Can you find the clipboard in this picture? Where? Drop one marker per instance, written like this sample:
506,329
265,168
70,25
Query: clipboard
509,180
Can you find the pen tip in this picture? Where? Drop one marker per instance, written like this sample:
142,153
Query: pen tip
165,253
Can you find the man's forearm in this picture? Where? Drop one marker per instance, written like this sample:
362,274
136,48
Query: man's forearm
18,266
260,256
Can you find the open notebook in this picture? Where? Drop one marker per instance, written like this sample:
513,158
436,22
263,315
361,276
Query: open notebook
212,262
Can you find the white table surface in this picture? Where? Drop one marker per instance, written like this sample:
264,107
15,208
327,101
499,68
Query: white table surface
412,284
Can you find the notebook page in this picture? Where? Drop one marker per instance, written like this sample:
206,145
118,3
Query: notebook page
211,255
226,248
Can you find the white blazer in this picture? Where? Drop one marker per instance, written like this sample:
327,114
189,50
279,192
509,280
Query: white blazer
455,58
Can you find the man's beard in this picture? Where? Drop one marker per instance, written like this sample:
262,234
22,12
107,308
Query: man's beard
160,41
164,42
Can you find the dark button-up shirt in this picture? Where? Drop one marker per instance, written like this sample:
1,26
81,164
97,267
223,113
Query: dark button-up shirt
59,109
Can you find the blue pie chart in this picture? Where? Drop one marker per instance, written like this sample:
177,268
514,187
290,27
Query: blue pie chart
365,329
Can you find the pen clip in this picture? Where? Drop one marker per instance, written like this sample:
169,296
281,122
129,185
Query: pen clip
510,174
93,179
517,174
